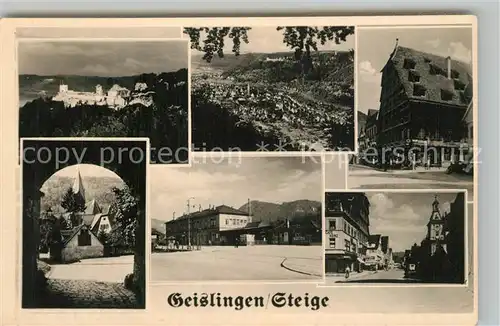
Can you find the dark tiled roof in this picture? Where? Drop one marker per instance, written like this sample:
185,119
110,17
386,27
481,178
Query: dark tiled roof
432,74
92,207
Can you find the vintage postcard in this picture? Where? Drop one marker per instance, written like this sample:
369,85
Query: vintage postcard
186,171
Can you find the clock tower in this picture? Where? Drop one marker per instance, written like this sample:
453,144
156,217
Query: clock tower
435,228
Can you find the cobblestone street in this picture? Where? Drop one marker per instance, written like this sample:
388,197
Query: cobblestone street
86,294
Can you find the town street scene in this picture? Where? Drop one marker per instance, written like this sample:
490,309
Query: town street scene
397,237
415,112
272,88
125,88
237,219
84,237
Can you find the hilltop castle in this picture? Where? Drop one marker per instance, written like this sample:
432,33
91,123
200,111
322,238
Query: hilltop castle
116,96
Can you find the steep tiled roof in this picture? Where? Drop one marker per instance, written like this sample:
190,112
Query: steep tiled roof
78,186
429,72
92,207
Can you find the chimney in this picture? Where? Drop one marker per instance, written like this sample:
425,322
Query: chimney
173,216
448,66
199,208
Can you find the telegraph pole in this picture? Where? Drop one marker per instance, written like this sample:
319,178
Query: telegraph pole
189,221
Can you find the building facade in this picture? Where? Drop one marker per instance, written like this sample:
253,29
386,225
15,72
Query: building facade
375,257
207,226
422,104
347,231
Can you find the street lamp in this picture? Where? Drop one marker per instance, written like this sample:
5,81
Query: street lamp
189,221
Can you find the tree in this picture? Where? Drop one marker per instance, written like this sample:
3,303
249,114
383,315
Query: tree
215,40
72,202
302,39
126,218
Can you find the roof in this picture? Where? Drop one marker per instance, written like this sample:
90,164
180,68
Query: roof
432,72
92,207
222,209
78,185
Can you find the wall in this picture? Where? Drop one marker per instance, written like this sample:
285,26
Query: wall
72,252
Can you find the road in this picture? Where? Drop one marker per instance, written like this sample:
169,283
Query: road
364,178
250,263
109,269
390,277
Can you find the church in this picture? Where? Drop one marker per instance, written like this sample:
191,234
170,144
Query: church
81,239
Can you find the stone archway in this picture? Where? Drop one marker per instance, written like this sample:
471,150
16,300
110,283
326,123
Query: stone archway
42,158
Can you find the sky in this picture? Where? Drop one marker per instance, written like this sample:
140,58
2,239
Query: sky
98,32
266,39
101,58
232,182
336,171
375,46
86,170
404,216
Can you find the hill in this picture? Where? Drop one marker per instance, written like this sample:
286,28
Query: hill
98,188
158,225
30,86
241,101
271,212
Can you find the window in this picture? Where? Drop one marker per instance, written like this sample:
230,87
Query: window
332,225
409,63
347,245
414,77
418,90
332,242
227,222
446,95
459,86
84,238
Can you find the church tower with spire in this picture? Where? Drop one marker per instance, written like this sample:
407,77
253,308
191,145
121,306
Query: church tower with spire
435,227
78,188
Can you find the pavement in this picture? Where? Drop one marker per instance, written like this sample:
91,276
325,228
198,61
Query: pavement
368,178
91,283
86,294
108,269
247,263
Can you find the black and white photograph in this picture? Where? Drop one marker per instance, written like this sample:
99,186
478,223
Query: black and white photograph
415,109
230,219
397,238
84,227
107,88
272,88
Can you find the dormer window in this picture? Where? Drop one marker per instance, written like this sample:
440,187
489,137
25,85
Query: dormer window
435,70
446,95
409,63
418,90
413,76
459,86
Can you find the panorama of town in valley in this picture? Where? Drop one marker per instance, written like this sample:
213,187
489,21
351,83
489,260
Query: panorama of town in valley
273,88
395,237
415,113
